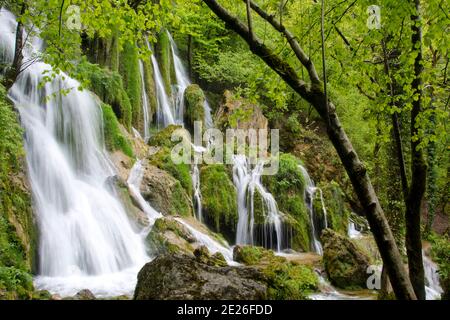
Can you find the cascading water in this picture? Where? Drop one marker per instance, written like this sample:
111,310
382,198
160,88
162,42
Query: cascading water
247,182
195,174
145,103
183,82
212,245
134,182
433,288
164,113
86,239
310,192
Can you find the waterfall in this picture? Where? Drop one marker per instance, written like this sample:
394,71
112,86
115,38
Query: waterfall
183,82
212,245
195,174
134,182
86,239
247,182
145,103
433,288
164,114
353,233
309,196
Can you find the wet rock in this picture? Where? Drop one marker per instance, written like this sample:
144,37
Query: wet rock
182,277
195,102
169,236
84,294
165,193
346,265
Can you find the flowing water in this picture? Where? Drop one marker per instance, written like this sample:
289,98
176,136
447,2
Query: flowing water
432,285
248,181
145,103
310,192
134,182
86,239
164,113
212,245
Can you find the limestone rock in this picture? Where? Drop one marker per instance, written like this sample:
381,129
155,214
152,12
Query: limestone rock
346,265
181,277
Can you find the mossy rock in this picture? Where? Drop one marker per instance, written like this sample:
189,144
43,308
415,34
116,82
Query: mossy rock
288,186
345,263
18,232
108,86
203,255
194,105
164,137
129,69
169,236
165,60
163,160
286,280
336,208
114,139
219,200
165,193
150,87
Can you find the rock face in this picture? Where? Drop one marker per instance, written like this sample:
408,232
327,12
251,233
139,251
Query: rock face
165,193
182,277
240,114
346,265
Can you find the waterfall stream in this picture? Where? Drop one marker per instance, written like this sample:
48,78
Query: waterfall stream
145,103
86,239
164,113
248,181
310,192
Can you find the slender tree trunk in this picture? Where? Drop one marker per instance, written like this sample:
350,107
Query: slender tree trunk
355,169
13,72
418,169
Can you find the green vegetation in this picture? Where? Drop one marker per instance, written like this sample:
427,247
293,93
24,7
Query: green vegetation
219,200
114,139
440,252
109,87
195,100
17,230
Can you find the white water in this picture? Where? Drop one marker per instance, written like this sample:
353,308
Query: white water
195,174
432,286
352,232
145,103
183,82
134,183
212,245
164,113
310,192
247,182
86,239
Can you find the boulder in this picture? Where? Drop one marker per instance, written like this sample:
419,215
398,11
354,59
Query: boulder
165,193
346,265
84,294
182,277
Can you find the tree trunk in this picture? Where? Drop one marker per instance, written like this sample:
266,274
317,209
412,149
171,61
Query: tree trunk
418,169
13,72
355,169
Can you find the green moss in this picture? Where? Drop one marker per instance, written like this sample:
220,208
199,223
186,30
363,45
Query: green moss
440,252
114,139
337,213
290,281
287,186
164,137
195,101
109,87
286,280
162,159
165,60
17,230
129,69
178,201
159,244
150,87
219,200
